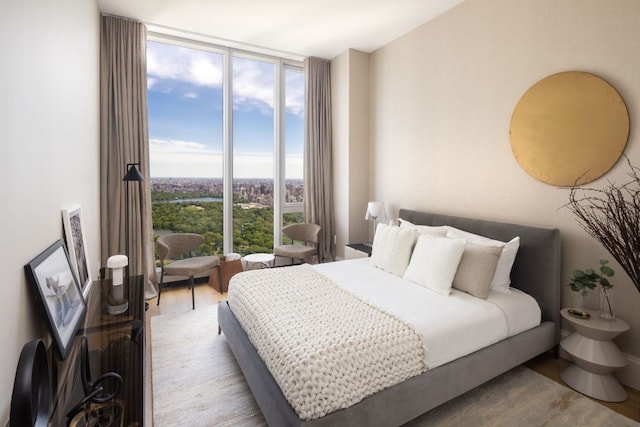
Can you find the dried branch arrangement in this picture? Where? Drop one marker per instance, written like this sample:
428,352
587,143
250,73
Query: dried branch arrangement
612,216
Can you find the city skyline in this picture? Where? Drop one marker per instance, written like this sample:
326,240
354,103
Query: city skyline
254,190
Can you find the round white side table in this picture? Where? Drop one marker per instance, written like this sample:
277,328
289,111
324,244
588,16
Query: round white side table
255,261
595,356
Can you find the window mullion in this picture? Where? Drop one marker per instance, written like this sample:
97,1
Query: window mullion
227,169
279,153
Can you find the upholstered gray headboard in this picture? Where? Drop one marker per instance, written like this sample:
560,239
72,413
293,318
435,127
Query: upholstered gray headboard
537,268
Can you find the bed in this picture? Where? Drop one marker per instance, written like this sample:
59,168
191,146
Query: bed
536,271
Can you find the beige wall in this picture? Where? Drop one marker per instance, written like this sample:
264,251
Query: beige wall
441,101
350,122
49,160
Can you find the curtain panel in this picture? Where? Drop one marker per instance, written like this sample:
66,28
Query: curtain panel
124,139
318,169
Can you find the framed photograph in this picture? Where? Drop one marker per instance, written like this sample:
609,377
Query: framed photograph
77,246
56,286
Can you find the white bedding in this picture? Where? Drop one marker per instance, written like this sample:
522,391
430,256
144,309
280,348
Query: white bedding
442,321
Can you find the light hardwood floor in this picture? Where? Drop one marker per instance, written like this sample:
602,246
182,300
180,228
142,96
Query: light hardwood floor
175,299
178,300
547,365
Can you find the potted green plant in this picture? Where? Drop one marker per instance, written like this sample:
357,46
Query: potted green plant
590,279
611,215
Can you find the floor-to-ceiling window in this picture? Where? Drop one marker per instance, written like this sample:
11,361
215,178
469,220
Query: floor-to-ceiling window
253,154
226,141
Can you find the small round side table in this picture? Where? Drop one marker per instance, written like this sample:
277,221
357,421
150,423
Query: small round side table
255,261
595,356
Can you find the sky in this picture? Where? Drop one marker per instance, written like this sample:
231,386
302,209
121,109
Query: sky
184,89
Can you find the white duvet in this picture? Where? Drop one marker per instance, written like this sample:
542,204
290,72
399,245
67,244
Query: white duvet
451,326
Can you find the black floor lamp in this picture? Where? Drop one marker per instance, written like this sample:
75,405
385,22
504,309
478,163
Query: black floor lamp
132,174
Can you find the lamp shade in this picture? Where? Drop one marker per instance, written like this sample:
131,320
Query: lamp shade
376,211
133,174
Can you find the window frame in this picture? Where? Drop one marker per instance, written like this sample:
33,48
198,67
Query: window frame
281,64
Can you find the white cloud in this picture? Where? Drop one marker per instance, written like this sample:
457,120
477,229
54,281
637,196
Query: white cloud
177,147
253,85
294,92
294,167
253,81
171,158
204,71
193,66
185,166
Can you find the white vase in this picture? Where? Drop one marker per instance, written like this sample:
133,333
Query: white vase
606,303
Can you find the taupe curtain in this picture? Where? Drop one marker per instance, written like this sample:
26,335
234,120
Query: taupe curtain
318,169
124,139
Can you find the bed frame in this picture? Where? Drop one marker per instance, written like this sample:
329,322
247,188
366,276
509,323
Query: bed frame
536,271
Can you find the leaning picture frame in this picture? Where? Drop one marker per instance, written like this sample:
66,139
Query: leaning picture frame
55,285
77,246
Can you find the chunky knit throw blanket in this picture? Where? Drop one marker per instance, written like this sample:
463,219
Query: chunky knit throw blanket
326,348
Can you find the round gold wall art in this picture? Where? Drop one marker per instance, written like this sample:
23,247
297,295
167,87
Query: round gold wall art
569,128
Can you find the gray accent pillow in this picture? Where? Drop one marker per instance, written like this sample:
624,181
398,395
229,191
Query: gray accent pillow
502,276
476,269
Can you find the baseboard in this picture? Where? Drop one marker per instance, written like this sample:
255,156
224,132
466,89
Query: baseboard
629,375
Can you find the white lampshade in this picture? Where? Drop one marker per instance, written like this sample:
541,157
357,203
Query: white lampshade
375,211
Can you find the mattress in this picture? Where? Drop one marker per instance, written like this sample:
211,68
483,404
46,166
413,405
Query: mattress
451,326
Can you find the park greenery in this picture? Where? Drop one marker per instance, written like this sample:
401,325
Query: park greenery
252,227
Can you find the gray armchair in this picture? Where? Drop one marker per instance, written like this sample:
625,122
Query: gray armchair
179,247
307,234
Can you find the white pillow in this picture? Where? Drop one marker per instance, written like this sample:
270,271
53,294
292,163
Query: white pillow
399,249
432,230
392,248
392,236
434,262
379,245
502,276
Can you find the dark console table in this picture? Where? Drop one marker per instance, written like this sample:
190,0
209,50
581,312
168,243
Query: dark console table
116,343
